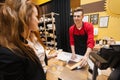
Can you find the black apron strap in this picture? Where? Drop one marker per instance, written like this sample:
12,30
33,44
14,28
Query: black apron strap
80,42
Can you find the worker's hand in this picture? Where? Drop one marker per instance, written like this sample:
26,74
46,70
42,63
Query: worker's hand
84,61
73,56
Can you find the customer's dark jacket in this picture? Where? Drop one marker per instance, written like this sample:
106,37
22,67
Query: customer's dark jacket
13,67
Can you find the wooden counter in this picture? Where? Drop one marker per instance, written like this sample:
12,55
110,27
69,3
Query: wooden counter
57,69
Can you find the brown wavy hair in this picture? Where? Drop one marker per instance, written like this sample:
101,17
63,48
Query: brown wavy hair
12,27
28,20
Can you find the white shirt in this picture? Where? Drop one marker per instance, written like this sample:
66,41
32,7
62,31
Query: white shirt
39,50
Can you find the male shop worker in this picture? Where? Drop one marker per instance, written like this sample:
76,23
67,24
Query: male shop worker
81,36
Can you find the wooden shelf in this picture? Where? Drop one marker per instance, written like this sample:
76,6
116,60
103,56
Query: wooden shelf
48,29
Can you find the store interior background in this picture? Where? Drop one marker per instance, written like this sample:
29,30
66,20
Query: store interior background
63,7
64,21
113,27
90,7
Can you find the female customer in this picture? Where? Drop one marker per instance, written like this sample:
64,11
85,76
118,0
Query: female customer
17,60
33,35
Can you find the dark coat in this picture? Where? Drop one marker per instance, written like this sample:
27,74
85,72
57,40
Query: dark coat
13,67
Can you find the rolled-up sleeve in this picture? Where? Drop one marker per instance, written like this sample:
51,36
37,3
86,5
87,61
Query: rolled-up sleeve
90,32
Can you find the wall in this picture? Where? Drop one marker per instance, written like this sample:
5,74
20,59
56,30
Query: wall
113,29
76,3
88,1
